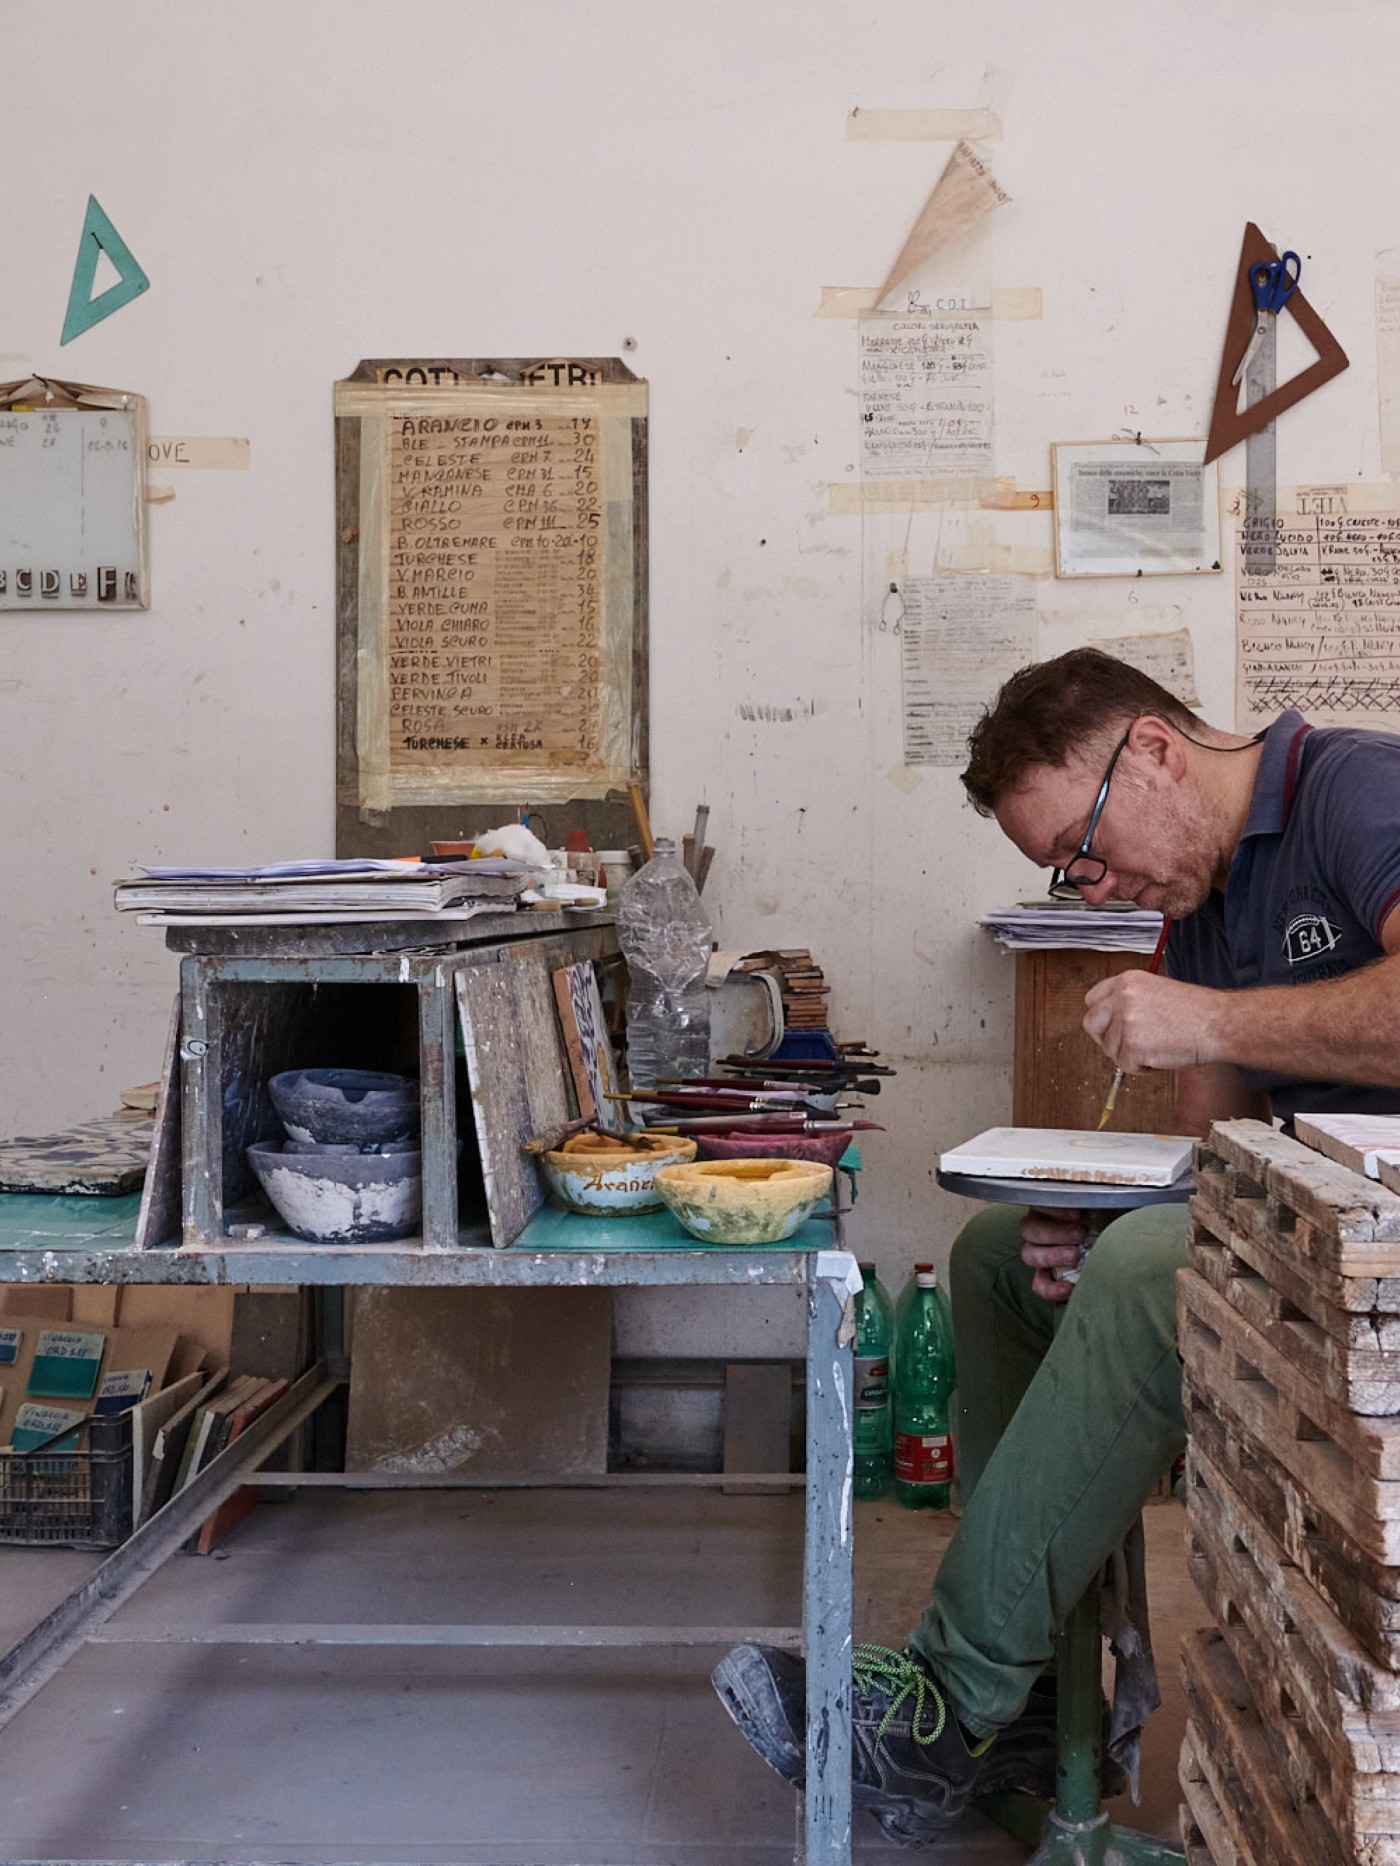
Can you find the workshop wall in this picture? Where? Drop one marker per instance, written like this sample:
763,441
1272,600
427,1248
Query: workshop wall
673,184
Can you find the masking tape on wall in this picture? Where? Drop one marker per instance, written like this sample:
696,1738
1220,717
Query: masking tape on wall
1011,302
850,498
923,126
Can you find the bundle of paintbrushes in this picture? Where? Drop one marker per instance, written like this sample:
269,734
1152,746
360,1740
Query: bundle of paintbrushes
760,1101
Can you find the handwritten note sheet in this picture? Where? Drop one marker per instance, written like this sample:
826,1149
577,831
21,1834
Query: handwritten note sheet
492,626
926,396
961,637
1322,633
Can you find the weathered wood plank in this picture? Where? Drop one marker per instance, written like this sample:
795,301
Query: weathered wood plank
1269,1815
1219,1346
1363,1590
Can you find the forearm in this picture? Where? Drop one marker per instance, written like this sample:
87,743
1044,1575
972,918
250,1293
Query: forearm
1341,1030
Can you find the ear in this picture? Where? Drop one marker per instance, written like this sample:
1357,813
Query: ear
1158,748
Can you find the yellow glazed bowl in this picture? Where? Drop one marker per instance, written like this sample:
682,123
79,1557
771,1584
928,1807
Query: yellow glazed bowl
617,1182
744,1201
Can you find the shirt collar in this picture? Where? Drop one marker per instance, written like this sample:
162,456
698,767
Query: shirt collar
1274,781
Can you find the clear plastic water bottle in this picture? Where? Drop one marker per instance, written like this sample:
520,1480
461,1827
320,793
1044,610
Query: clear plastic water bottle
874,1405
665,934
924,1376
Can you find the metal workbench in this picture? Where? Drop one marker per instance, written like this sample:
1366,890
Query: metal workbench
73,1240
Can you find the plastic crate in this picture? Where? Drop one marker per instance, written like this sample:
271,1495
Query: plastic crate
81,1499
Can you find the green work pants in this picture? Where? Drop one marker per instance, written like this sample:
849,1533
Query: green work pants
1067,1415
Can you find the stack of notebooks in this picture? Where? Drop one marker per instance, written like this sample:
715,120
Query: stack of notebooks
1109,928
318,893
804,987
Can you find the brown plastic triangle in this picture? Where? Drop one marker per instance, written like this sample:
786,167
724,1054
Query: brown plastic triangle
1228,423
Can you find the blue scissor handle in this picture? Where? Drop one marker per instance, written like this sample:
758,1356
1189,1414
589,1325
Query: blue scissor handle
1273,284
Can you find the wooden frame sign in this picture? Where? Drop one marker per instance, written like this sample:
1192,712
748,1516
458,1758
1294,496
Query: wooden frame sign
491,516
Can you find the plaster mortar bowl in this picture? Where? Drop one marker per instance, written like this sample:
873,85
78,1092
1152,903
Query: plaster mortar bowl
610,1179
334,1197
363,1106
744,1201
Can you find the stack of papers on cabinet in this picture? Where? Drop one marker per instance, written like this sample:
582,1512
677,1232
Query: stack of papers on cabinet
357,889
1033,924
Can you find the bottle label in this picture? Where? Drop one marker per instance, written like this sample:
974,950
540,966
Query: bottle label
923,1458
872,1382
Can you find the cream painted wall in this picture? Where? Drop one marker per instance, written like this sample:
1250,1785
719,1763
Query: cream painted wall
314,183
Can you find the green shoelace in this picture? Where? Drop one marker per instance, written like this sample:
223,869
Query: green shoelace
880,1667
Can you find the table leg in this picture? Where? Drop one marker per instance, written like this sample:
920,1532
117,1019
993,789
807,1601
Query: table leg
437,1068
827,1582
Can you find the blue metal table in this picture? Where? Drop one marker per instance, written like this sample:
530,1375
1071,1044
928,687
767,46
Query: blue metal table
72,1240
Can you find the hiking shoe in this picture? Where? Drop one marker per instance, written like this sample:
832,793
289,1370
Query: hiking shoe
911,1766
1026,1758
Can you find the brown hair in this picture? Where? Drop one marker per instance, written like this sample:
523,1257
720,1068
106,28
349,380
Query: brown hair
1050,710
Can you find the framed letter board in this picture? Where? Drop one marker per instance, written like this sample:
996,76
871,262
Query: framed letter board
491,598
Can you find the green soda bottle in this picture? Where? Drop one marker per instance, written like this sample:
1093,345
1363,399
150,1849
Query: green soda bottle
924,1376
873,1428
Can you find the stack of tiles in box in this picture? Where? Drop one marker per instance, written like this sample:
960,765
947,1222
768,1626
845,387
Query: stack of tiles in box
1290,1336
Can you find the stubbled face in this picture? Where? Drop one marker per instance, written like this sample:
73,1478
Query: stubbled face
1155,831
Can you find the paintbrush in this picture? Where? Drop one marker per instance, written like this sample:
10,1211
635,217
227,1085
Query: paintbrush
1153,966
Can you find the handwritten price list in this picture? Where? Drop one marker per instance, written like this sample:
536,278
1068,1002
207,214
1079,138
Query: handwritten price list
926,397
1321,632
495,583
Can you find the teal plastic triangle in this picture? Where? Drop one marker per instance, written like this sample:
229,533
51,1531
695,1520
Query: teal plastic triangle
100,236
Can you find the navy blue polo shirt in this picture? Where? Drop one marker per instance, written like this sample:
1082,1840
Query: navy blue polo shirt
1312,881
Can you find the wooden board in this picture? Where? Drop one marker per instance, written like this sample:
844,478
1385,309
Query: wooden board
1352,1357
1061,1074
515,1065
1323,1214
1253,1793
469,786
1244,1575
1222,1352
501,1382
1205,1839
1362,1587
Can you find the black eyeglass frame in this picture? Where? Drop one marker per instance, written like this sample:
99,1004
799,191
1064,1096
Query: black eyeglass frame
1065,886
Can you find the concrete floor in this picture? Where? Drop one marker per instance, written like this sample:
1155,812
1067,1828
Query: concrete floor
484,1758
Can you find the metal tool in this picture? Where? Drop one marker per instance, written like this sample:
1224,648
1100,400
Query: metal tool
1273,284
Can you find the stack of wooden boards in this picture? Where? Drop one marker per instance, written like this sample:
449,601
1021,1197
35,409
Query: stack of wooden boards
1290,1336
804,987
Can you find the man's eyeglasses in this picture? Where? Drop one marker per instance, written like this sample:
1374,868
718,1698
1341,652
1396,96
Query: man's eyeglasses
1084,870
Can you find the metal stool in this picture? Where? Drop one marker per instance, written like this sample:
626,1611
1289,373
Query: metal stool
1074,1830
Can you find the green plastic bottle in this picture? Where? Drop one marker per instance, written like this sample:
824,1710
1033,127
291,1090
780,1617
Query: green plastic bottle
924,1376
873,1429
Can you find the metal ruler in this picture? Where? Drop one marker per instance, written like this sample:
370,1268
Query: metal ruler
1261,463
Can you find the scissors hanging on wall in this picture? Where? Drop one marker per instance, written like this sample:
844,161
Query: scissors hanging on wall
1273,284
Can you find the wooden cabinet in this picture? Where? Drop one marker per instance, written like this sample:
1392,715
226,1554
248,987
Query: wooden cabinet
1061,1075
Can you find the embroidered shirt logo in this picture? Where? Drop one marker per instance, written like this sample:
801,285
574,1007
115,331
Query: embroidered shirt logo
1308,936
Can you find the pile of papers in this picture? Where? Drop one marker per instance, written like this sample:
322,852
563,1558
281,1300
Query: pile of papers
1033,924
313,893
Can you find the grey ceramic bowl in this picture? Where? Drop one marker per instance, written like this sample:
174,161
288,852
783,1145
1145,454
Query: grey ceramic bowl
359,1106
333,1197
